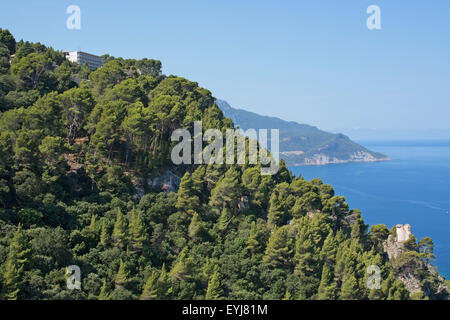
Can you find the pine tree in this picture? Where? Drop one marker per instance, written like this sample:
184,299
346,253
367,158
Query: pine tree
349,288
136,231
358,228
394,289
279,249
214,291
198,183
15,264
183,267
307,255
283,174
341,258
251,179
306,252
288,296
253,241
280,203
164,287
196,230
263,192
327,288
12,277
329,249
212,176
187,199
105,237
104,291
120,230
121,278
337,207
226,192
378,234
224,219
309,202
92,225
372,258
150,290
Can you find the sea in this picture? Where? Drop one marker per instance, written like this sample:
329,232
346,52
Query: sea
413,188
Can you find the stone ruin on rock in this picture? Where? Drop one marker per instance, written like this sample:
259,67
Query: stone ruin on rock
394,245
403,232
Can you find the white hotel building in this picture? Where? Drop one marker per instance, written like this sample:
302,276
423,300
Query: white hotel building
93,61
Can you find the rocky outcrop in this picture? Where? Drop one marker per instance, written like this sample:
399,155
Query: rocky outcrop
311,214
243,203
351,218
167,182
403,232
394,244
322,159
411,282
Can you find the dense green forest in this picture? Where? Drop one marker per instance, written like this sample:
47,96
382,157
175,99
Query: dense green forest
77,151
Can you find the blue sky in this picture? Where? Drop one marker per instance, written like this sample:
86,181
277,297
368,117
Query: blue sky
313,62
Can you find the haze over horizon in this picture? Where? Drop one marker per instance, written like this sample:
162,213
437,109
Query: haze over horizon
361,133
298,61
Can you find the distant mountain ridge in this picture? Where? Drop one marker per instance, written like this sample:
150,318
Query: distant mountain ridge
302,144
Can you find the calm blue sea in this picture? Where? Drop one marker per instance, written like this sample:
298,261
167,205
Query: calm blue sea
413,188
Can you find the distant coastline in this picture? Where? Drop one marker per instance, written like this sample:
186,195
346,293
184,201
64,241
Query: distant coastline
303,144
338,161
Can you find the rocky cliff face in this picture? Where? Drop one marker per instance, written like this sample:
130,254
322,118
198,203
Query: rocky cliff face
322,159
166,181
394,246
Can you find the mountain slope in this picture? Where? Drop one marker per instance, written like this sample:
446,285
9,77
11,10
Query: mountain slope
302,144
87,183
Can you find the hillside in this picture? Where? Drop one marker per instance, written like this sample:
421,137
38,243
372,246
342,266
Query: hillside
87,181
301,144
